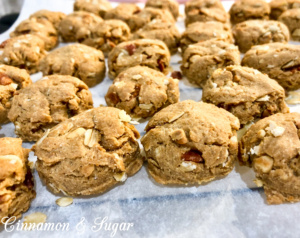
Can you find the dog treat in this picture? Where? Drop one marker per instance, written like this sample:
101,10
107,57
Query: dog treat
291,18
98,7
171,5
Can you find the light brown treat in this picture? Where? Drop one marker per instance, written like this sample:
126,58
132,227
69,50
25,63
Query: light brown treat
190,142
23,51
245,92
280,61
81,61
291,18
159,30
89,153
171,5
78,25
141,91
205,10
46,103
98,7
202,31
144,52
243,10
54,17
12,79
272,147
16,181
280,6
258,32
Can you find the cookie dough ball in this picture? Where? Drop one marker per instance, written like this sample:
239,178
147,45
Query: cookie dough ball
54,17
141,91
98,7
77,60
46,103
190,142
243,10
12,79
144,52
272,147
160,30
200,60
280,6
280,61
78,25
16,181
202,31
291,18
23,51
171,5
258,32
205,10
89,153
245,92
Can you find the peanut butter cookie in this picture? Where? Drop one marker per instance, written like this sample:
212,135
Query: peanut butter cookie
171,5
291,18
280,6
98,7
54,17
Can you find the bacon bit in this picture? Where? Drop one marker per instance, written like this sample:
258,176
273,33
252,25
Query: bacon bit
176,75
193,156
161,65
3,44
4,79
130,49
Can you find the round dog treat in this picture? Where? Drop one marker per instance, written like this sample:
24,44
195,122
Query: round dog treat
280,61
141,91
202,31
258,32
291,18
144,52
77,60
243,10
245,92
280,6
98,7
89,153
12,79
200,60
46,103
54,17
272,147
171,5
78,25
159,30
190,142
24,51
16,181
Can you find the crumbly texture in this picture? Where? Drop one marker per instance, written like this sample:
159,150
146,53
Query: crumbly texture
272,148
16,181
12,79
144,52
200,60
78,25
98,7
171,5
89,153
54,17
141,91
258,32
245,92
280,6
190,142
81,61
280,61
243,10
291,18
44,104
159,30
23,51
202,31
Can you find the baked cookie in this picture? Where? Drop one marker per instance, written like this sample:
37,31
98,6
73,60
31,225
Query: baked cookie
243,10
16,181
78,25
200,60
23,51
245,92
190,142
144,52
291,18
160,30
280,6
54,17
272,147
171,5
81,61
141,91
98,7
205,10
202,31
100,149
258,32
12,79
280,61
47,102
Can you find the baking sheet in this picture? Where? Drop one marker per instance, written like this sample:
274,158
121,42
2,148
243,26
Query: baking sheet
228,207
